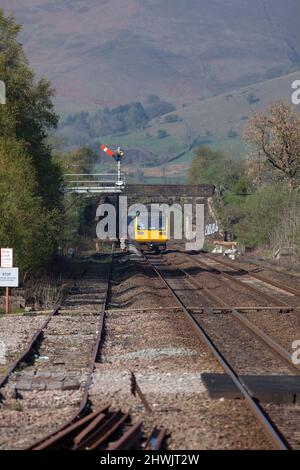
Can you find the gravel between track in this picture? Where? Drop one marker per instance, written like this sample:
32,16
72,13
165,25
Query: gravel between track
160,348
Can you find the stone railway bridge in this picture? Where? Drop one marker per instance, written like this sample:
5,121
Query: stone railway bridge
163,194
108,191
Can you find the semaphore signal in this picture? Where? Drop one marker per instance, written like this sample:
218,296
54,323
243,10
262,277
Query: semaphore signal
107,150
117,155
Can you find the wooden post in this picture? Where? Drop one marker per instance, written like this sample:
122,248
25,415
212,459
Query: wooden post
7,301
135,389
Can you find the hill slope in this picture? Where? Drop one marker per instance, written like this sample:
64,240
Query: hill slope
226,112
216,122
106,52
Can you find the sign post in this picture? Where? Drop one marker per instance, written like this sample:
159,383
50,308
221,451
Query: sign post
7,301
9,276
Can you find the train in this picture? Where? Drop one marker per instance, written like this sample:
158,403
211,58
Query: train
151,231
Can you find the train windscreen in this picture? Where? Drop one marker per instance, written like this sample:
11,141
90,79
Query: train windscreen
153,221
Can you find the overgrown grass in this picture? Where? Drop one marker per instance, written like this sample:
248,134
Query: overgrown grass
12,311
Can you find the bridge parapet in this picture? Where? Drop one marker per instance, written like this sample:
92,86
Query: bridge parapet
168,192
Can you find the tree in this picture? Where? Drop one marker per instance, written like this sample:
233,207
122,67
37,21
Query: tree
82,128
162,134
232,134
26,225
153,99
214,167
232,186
276,135
81,160
252,98
170,118
29,113
30,199
270,215
159,108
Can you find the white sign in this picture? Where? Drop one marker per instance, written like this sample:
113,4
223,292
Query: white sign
9,277
6,258
2,92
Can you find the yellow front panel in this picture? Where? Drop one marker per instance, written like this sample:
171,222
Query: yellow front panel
151,235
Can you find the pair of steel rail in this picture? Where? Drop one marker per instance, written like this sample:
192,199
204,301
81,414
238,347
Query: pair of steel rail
273,433
87,430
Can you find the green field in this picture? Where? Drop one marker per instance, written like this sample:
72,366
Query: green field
215,122
206,122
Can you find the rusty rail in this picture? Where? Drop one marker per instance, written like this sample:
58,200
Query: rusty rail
247,324
156,439
256,275
50,438
230,278
129,438
267,424
101,429
30,346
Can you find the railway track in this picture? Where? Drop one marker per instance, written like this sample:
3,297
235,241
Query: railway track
49,382
176,280
241,271
24,354
212,267
236,312
45,393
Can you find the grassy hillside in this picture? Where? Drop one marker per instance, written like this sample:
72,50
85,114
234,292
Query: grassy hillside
211,120
215,122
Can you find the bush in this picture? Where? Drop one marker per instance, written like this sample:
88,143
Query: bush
271,214
172,118
252,98
153,99
162,134
159,109
125,118
232,134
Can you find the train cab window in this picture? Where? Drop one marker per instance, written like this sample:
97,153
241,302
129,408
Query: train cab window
152,222
158,222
